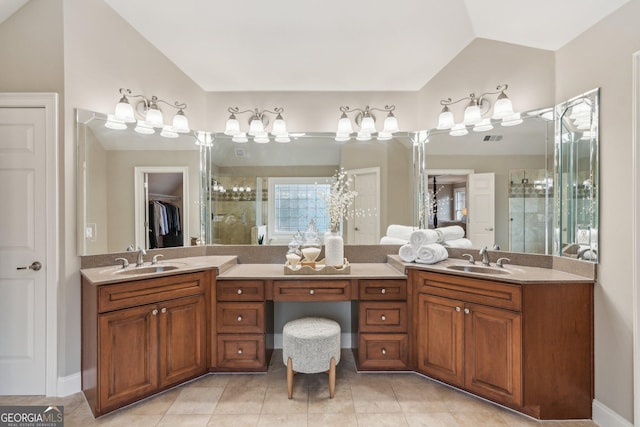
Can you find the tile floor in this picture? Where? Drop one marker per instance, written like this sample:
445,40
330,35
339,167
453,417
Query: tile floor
362,399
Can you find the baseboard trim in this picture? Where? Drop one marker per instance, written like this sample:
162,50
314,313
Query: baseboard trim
69,385
606,417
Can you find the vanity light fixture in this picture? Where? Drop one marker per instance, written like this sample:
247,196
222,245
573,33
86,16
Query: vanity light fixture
257,126
366,120
478,105
153,118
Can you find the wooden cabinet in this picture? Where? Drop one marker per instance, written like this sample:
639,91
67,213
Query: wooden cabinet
383,341
142,336
527,346
241,319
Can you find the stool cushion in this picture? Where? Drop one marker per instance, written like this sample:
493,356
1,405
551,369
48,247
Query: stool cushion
311,342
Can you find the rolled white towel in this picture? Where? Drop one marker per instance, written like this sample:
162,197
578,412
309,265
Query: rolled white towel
449,233
422,237
407,253
432,253
400,231
458,243
386,240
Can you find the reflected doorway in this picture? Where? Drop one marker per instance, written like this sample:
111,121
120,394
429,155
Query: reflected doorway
161,206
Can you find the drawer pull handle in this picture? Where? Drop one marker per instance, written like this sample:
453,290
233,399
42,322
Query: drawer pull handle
383,291
239,318
311,292
164,310
383,317
466,311
383,351
239,351
239,291
155,311
458,309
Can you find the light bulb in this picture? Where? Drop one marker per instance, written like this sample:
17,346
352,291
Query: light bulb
261,138
344,125
445,119
232,127
512,120
363,136
483,126
390,124
154,117
124,111
256,126
472,114
279,127
144,128
367,125
240,137
384,136
115,123
180,122
503,107
458,130
168,132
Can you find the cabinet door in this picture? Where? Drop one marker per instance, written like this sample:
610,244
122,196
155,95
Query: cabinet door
128,355
440,338
182,339
493,353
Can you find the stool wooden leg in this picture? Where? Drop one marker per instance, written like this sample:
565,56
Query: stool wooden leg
290,377
332,378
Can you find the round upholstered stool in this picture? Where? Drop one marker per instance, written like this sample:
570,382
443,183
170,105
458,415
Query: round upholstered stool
311,345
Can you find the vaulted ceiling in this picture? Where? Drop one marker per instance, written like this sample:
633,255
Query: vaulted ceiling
338,45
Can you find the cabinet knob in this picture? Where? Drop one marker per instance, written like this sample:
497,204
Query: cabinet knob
239,291
383,291
466,311
239,318
311,292
239,351
155,311
164,310
383,351
458,309
383,317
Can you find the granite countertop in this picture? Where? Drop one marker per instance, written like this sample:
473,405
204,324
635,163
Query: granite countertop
116,274
276,271
520,274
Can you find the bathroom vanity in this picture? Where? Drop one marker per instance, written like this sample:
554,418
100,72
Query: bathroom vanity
520,336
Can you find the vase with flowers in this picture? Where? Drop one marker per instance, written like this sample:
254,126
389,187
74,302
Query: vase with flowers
338,201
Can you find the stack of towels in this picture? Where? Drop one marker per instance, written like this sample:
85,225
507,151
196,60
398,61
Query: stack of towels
422,248
428,246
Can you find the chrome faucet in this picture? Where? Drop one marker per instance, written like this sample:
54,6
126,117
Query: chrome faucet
141,254
485,256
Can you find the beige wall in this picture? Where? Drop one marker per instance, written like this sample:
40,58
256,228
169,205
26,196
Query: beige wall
602,57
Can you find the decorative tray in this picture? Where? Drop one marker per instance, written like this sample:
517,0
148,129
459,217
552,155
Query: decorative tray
318,268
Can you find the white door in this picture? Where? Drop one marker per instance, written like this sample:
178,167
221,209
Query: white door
23,231
481,210
363,228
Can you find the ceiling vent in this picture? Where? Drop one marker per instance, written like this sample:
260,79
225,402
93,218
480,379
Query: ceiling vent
240,152
488,138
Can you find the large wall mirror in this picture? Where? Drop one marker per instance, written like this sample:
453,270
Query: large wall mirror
530,186
150,191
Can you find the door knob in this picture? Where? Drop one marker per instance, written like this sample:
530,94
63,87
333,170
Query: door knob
357,229
35,266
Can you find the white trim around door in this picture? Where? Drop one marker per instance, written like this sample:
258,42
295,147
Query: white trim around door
635,265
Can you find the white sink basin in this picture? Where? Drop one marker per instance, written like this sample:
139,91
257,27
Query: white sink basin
478,269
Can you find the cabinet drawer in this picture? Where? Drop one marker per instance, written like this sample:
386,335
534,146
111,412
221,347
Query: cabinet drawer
387,290
485,292
240,352
240,290
311,290
382,317
140,292
383,351
240,317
